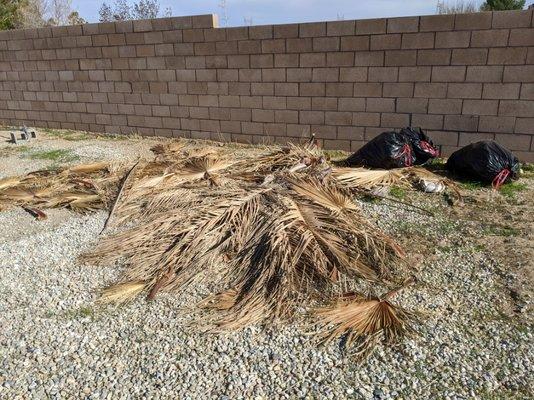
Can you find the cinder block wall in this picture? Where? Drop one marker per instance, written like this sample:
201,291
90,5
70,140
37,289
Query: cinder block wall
461,77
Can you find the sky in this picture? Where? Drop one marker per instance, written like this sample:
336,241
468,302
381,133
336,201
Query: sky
280,11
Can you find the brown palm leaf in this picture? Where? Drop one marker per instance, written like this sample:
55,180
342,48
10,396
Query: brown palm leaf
363,321
324,194
89,168
170,149
121,293
6,183
202,167
220,301
78,201
290,259
17,195
362,178
174,250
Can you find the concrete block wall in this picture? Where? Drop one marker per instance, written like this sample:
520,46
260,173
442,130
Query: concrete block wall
462,77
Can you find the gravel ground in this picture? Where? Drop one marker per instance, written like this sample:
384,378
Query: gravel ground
475,341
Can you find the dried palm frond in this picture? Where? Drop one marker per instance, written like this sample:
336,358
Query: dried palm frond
368,178
118,198
272,235
168,149
220,301
82,188
324,194
156,184
363,321
292,157
9,182
89,168
202,167
276,245
17,195
296,256
121,293
75,200
152,182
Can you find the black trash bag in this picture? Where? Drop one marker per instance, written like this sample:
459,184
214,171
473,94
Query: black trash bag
486,161
387,150
422,145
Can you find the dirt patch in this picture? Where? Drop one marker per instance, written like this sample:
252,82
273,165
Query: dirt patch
503,225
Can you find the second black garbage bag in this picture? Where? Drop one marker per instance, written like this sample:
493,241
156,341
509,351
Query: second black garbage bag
394,149
486,161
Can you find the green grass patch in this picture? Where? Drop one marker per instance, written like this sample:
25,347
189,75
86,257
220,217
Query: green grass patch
479,248
528,168
473,185
512,188
336,155
57,156
447,226
115,137
405,227
13,150
66,134
500,230
369,198
82,312
397,192
445,249
20,149
436,164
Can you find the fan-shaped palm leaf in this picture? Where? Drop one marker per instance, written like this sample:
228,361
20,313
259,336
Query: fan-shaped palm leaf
368,178
362,321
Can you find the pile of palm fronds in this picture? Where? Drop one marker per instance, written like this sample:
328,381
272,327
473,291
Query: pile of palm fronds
277,234
81,188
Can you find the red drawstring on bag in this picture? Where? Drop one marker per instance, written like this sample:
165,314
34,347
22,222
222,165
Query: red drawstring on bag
500,178
429,148
406,151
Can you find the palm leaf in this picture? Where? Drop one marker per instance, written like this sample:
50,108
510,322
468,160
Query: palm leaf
366,178
363,321
328,196
121,293
89,168
10,182
202,167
